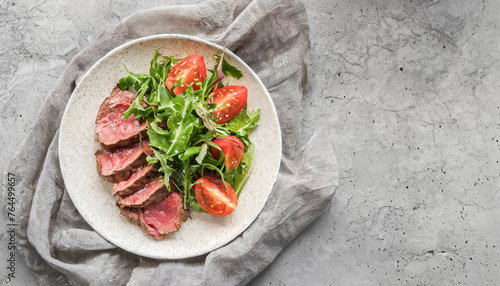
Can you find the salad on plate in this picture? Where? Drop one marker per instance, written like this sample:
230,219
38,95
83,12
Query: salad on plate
176,140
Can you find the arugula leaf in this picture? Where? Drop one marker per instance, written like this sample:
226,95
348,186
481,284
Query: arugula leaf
189,152
136,107
164,98
152,160
245,165
244,122
228,69
158,129
160,69
187,172
181,124
136,80
165,168
203,112
158,140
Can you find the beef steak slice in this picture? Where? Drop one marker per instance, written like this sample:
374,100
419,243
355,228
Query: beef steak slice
130,213
118,163
154,191
112,129
136,181
163,217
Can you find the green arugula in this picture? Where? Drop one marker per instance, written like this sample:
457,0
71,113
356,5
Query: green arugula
181,128
228,69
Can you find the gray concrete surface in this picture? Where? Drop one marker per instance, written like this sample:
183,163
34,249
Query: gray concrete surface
409,90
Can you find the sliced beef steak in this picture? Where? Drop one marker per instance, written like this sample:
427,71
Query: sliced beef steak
158,219
153,191
137,180
118,163
130,213
111,128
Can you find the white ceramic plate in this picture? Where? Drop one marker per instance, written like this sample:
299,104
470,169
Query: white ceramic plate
91,193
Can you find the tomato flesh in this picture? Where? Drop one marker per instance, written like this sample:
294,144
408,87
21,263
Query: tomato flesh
232,148
230,101
213,197
191,69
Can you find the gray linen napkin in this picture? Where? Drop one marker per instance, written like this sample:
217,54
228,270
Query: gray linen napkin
272,37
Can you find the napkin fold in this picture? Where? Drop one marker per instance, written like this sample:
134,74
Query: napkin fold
272,37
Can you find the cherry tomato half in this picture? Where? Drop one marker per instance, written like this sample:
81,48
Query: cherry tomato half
232,148
191,69
213,197
230,101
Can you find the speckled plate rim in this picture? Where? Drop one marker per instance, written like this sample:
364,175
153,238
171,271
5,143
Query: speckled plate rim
168,249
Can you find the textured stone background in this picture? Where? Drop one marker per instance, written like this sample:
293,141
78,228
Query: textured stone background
409,93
